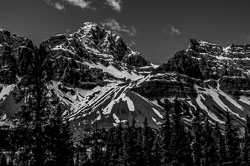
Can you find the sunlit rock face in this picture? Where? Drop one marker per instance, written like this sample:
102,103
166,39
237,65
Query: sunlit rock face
16,53
205,76
100,80
89,69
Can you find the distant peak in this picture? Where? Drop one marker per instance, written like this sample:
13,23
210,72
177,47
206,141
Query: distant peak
4,31
89,24
201,42
87,27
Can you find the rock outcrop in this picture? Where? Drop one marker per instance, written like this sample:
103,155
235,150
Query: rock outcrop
16,53
99,78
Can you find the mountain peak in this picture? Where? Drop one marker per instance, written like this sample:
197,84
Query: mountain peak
89,25
205,47
93,70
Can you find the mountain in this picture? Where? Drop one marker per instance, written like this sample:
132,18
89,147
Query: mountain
100,79
91,72
205,76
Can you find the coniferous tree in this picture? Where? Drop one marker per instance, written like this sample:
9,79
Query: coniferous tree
29,135
232,141
3,161
146,149
81,146
220,145
198,139
117,146
110,158
166,132
30,139
211,156
60,144
186,155
97,147
157,152
148,143
130,141
246,145
177,131
180,139
139,153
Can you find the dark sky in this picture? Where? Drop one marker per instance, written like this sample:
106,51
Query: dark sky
160,27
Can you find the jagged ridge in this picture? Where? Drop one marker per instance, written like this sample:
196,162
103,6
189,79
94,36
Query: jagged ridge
99,78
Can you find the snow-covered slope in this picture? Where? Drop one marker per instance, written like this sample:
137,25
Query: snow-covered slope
100,80
107,105
207,78
91,70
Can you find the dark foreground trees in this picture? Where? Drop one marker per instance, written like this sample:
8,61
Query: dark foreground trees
176,143
40,136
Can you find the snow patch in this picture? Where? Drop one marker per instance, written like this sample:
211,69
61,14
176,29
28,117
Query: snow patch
231,100
158,113
191,104
60,47
117,120
115,72
245,100
6,90
210,114
108,109
122,97
158,123
130,103
157,104
215,95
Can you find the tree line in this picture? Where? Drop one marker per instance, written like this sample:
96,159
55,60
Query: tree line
175,143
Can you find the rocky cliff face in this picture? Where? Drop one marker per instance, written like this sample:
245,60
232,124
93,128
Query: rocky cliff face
99,78
94,56
207,76
84,67
16,53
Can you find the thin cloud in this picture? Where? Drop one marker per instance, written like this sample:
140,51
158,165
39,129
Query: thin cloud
132,43
79,3
84,4
113,25
60,4
172,30
57,5
115,4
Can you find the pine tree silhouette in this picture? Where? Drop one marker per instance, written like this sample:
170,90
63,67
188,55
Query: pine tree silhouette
166,132
198,139
148,142
31,137
246,145
232,141
211,156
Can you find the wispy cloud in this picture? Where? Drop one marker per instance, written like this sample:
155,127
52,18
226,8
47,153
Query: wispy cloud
132,43
113,25
85,4
60,4
115,4
55,4
172,30
79,3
